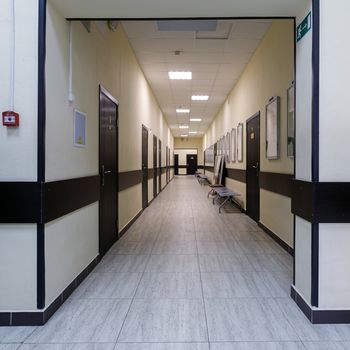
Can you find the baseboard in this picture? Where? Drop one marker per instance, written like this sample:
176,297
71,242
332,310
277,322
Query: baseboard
316,316
278,240
39,318
130,223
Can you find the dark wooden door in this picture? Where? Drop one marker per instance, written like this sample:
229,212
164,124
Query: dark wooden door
144,167
253,167
160,165
176,164
191,163
108,164
168,164
155,166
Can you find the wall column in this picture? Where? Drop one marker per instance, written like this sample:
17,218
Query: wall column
321,189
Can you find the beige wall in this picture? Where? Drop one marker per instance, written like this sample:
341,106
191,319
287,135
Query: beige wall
106,58
269,73
191,143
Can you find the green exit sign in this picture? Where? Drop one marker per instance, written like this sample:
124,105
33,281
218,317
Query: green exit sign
304,27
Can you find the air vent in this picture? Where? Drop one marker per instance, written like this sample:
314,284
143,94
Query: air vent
222,32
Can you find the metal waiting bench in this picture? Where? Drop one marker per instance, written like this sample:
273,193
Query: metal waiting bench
202,179
225,193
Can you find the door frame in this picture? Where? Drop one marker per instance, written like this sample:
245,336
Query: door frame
144,127
155,166
104,91
256,115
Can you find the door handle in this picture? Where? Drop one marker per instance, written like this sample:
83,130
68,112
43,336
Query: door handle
255,166
103,173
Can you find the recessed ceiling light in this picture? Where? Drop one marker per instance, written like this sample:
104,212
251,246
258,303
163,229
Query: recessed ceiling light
180,75
184,135
195,119
193,132
182,110
183,126
200,98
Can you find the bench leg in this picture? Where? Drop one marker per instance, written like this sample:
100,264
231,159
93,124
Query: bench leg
224,202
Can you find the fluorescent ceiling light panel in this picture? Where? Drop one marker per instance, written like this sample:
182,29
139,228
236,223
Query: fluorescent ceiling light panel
183,126
195,119
200,98
184,135
193,132
180,75
182,110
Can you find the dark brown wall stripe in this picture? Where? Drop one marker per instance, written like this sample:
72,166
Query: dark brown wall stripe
150,173
236,174
20,202
277,183
128,179
209,168
64,197
321,202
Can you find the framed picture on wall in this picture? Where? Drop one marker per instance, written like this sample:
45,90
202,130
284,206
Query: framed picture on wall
228,147
291,121
240,142
272,128
233,145
79,129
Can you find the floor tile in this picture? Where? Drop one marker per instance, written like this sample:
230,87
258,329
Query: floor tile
312,332
177,236
205,247
177,247
165,320
257,346
162,346
108,286
250,319
217,236
270,262
124,247
15,334
122,263
224,263
84,321
169,285
173,263
86,346
250,236
234,285
327,345
9,346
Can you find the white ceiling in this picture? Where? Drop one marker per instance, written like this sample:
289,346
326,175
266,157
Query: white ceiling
140,9
216,65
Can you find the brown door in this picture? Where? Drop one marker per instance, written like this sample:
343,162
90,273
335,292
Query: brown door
154,166
144,167
160,165
108,164
167,165
253,167
176,164
191,164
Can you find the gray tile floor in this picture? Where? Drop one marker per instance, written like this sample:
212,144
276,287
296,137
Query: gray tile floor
184,277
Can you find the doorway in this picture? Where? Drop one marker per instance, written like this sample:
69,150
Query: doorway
155,166
160,165
176,164
144,167
253,167
108,165
191,164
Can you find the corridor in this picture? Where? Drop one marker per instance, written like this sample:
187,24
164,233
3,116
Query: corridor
184,277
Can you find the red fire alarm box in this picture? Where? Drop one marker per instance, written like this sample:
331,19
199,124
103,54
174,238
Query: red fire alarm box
10,118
